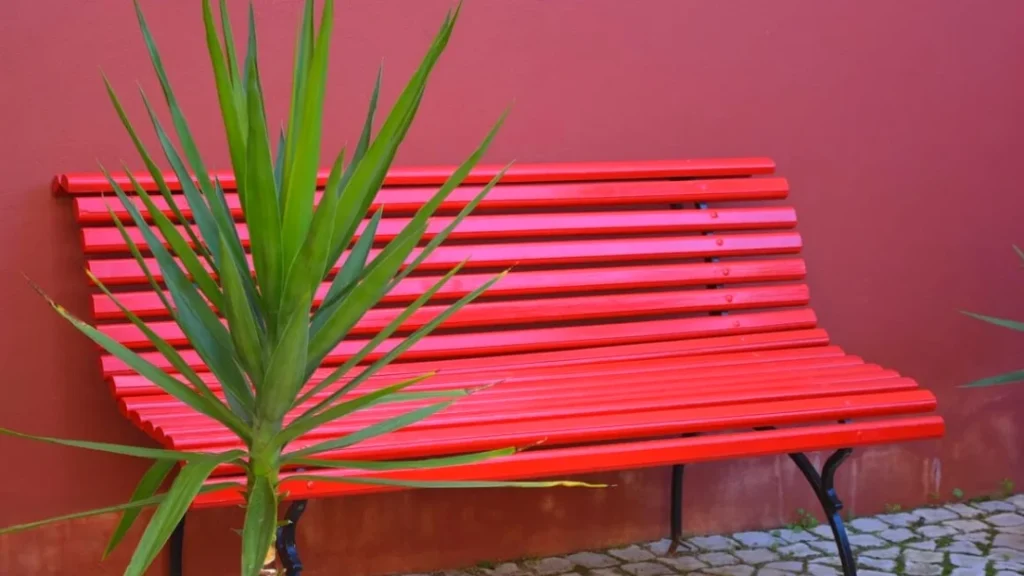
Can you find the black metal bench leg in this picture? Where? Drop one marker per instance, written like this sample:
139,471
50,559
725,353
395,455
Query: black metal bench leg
177,548
676,512
287,550
824,489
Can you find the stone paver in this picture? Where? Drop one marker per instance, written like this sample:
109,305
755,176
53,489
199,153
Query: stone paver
884,553
756,556
823,531
935,515
713,543
961,539
920,569
964,510
995,506
755,539
505,569
968,571
798,550
631,554
897,535
684,563
647,569
1006,520
960,547
1006,555
550,566
592,560
868,525
866,541
735,570
966,525
967,561
718,559
936,531
794,536
825,546
876,563
922,557
786,566
900,520
773,572
1009,541
821,570
661,547
976,537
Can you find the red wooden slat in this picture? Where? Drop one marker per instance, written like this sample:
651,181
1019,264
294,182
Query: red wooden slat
606,195
192,434
521,226
536,340
90,183
622,427
147,304
686,354
627,455
557,381
120,271
620,394
550,310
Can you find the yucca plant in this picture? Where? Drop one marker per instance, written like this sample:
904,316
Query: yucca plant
1009,377
274,337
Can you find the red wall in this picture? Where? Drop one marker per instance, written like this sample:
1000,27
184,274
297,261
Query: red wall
898,124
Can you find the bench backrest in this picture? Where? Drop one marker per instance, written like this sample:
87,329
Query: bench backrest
632,259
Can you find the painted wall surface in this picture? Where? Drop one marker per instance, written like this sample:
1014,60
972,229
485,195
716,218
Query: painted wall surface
898,123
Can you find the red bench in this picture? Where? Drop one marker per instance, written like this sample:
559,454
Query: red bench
656,315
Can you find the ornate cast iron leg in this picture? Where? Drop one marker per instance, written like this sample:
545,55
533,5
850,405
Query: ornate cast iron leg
676,512
287,551
177,548
826,493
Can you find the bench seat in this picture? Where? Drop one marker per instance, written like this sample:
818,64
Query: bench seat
655,315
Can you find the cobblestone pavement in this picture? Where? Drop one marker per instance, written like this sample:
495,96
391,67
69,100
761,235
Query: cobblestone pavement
972,539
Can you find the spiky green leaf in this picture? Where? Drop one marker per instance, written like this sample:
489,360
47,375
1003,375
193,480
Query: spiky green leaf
439,462
260,522
145,489
212,405
229,110
300,426
187,485
202,327
300,181
300,70
388,357
351,271
356,303
1003,322
124,450
242,323
196,201
155,171
261,209
381,335
200,275
1008,378
135,505
144,368
378,429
